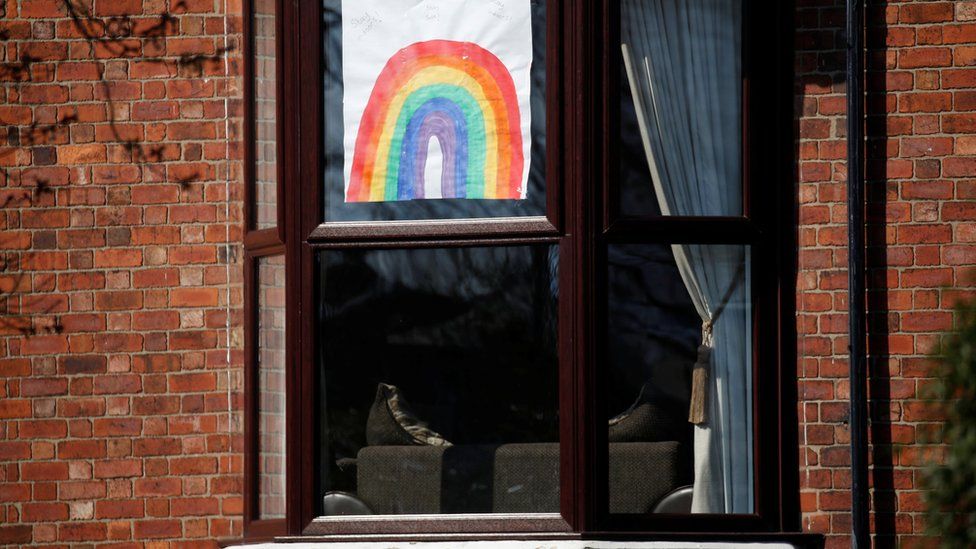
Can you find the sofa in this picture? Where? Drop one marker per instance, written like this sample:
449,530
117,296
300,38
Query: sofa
509,478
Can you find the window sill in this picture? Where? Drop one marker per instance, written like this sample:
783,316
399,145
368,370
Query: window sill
682,541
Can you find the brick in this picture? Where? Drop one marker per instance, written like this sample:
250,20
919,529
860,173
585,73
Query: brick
959,78
193,466
194,507
44,512
43,471
119,7
82,238
82,154
116,509
83,364
156,278
156,363
81,449
192,383
189,89
116,258
185,255
926,12
17,533
157,447
117,301
35,387
114,427
90,531
158,487
926,321
79,71
14,408
958,34
959,255
155,194
40,428
14,367
81,407
959,167
157,320
193,340
81,490
193,297
44,94
10,492
117,384
924,58
118,468
37,219
45,344
925,102
155,405
157,529
145,111
924,234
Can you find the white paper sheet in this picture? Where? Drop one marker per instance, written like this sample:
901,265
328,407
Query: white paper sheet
436,99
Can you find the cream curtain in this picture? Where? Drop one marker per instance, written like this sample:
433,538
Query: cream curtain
683,64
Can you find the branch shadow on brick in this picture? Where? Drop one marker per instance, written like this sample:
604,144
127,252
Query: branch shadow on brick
15,283
120,37
117,37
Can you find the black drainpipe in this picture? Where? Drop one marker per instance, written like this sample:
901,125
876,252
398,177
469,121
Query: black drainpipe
856,277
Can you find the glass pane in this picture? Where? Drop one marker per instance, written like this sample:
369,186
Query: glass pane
271,387
437,111
680,108
680,394
439,377
265,104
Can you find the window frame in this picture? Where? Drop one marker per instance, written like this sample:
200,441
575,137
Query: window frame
765,216
582,80
255,526
257,244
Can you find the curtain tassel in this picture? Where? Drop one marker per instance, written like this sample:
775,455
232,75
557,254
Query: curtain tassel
699,378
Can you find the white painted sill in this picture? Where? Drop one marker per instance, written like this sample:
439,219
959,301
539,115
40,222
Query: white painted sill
564,544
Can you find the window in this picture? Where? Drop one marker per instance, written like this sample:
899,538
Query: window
265,336
535,269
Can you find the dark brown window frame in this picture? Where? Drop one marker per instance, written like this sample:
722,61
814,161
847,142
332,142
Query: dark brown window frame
582,84
257,244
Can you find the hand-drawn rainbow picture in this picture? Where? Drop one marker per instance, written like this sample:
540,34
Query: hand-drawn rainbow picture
458,92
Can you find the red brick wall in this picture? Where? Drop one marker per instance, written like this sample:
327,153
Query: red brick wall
922,244
120,285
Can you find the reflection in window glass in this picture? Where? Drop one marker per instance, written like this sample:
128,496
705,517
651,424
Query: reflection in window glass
265,138
680,108
679,379
271,387
440,380
338,208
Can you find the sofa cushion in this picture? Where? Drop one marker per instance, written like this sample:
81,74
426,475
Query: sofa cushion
647,421
508,478
391,422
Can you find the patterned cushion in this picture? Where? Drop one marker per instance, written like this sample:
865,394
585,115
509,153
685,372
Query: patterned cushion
392,423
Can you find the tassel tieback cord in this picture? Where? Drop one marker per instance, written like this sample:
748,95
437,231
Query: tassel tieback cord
697,408
699,377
